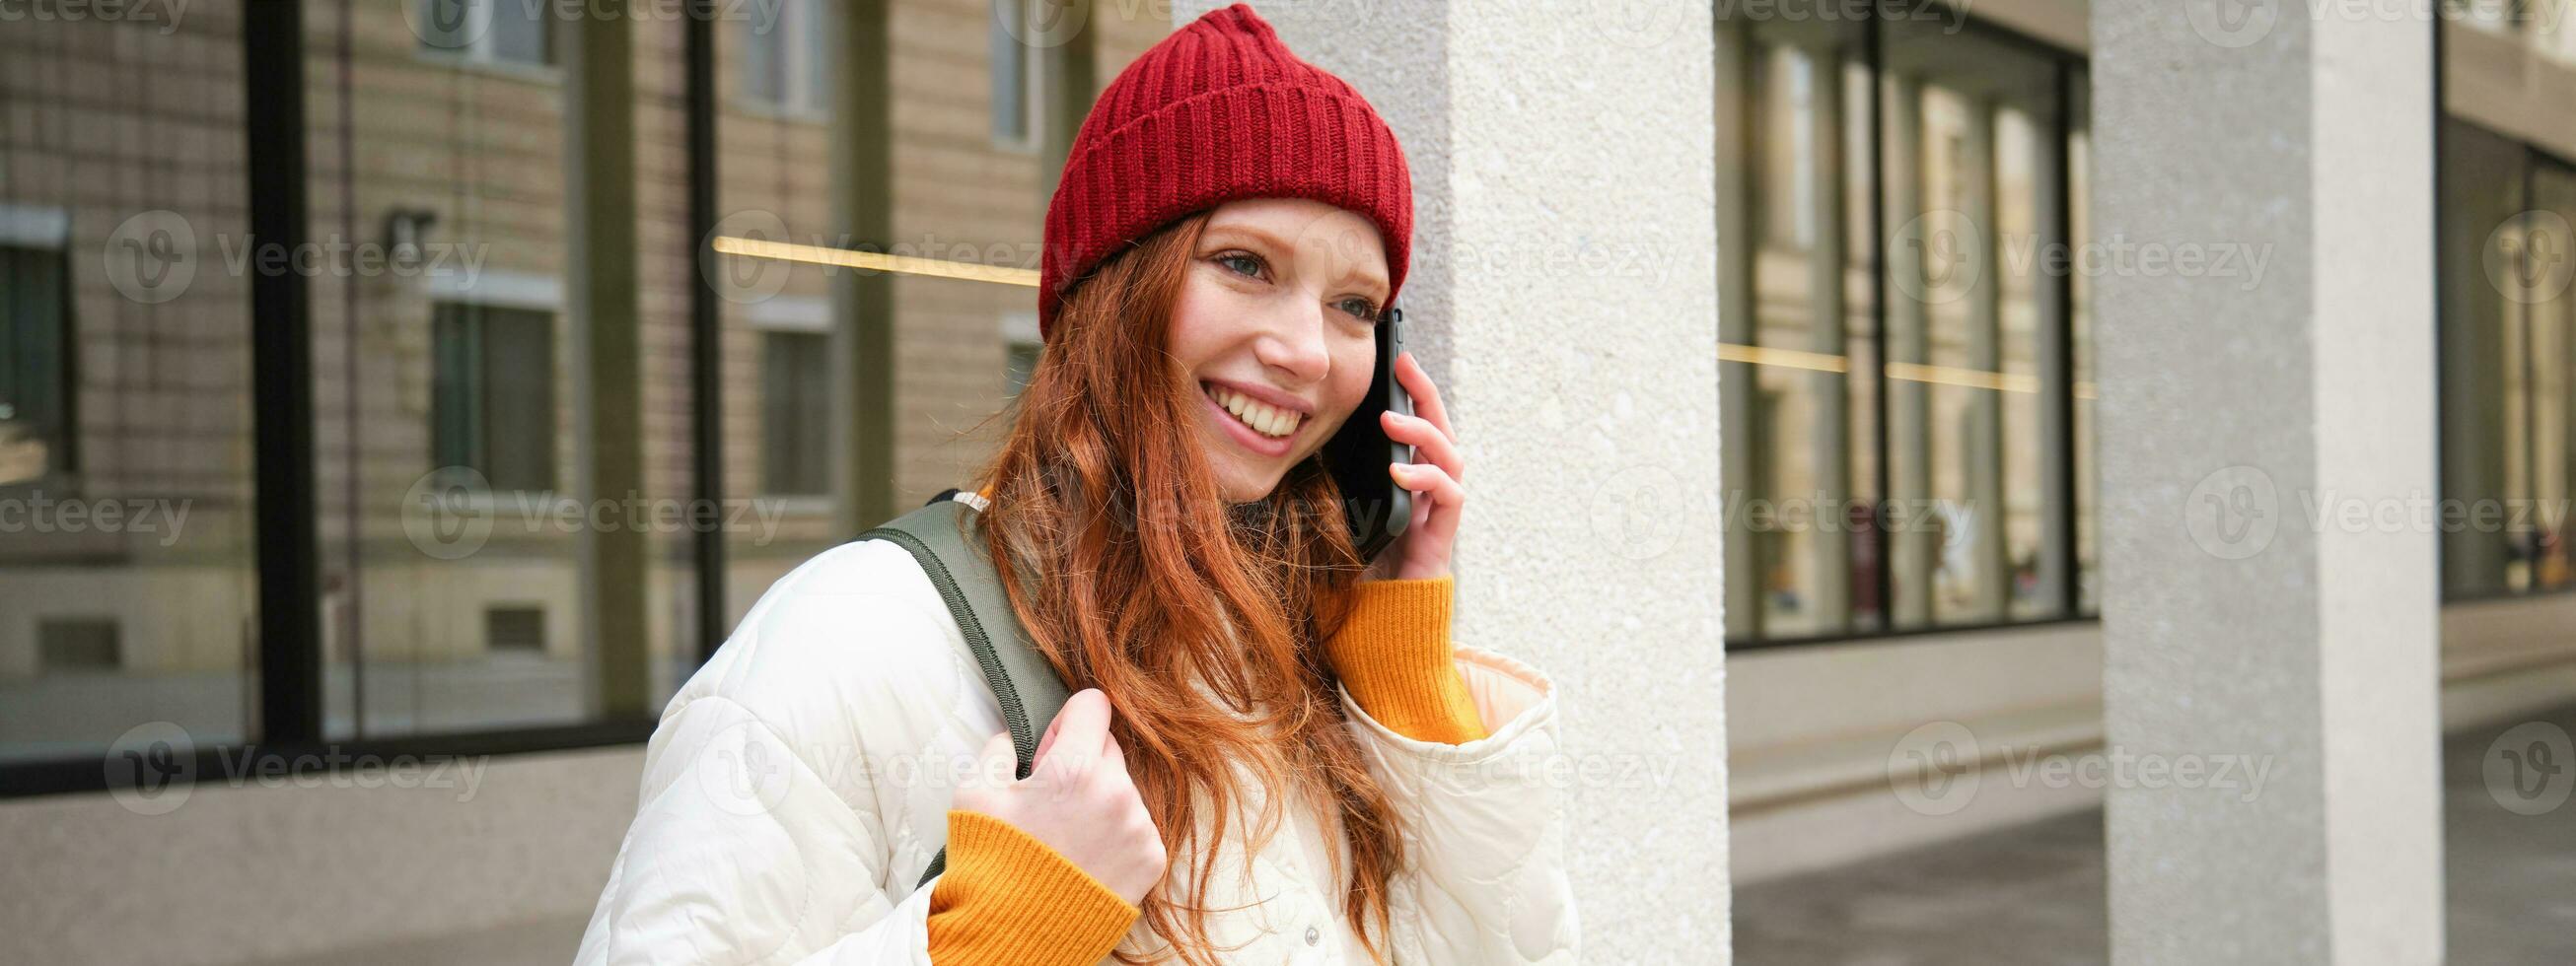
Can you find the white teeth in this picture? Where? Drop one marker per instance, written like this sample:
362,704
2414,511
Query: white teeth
1264,418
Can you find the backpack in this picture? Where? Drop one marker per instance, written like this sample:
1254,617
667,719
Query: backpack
1027,686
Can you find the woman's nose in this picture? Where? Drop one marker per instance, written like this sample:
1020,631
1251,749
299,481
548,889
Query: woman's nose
1293,345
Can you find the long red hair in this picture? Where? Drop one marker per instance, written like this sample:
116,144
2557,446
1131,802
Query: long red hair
1127,569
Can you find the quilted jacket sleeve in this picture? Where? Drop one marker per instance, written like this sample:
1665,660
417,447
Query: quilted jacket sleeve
767,828
1485,826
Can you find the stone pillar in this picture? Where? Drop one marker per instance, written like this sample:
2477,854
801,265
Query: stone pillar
2240,407
1563,292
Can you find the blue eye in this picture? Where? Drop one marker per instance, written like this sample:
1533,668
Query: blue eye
1231,259
1362,308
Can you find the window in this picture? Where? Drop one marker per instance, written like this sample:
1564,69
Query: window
534,615
795,414
1013,71
493,407
521,628
2508,329
1023,364
35,361
786,61
494,31
125,391
1021,345
78,644
1905,382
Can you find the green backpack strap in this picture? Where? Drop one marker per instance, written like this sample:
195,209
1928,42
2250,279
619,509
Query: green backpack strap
1023,681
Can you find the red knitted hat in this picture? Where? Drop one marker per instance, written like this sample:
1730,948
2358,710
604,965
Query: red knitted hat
1219,110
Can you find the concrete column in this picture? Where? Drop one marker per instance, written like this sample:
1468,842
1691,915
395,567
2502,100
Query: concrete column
2238,408
1564,295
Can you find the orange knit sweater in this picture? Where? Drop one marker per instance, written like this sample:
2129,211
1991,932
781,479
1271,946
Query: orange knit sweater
1008,899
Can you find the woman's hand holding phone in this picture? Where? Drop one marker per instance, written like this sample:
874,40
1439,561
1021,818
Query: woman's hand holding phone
1423,550
1078,799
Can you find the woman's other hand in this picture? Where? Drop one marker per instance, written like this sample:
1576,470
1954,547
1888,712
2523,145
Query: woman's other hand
1438,497
1077,799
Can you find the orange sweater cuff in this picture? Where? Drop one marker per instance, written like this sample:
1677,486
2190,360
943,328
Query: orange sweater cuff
1008,899
1394,656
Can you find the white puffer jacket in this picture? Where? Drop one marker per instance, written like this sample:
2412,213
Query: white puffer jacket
798,786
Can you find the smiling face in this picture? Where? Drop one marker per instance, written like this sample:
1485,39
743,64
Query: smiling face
1277,323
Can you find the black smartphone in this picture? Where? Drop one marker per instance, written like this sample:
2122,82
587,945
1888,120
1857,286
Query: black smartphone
1359,452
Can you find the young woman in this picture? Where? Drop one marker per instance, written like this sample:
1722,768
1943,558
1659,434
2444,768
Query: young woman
1276,754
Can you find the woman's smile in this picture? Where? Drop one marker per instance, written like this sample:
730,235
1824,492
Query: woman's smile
1264,429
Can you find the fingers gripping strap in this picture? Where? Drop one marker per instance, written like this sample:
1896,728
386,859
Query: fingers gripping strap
1023,682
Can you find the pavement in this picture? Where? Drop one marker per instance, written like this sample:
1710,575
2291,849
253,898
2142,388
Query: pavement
2034,893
